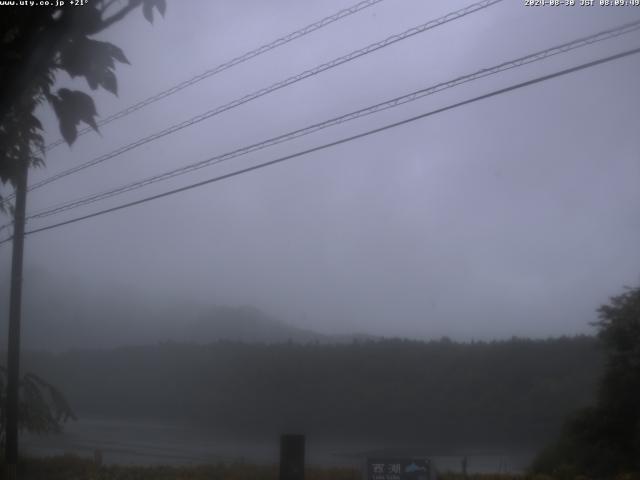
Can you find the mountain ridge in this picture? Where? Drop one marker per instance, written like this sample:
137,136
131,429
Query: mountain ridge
63,315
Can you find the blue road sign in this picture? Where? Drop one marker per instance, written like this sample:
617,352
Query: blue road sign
400,468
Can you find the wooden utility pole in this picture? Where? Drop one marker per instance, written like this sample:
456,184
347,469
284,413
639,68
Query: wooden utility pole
15,304
292,457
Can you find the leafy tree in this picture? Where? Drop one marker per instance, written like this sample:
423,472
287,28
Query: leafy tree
605,439
43,409
36,44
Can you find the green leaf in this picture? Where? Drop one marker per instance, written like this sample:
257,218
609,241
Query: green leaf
161,5
109,82
93,60
147,10
72,107
149,5
68,130
117,53
80,106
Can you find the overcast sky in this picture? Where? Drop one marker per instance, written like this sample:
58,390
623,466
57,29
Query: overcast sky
517,215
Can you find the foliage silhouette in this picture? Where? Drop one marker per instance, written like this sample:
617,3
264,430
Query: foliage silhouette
42,408
604,439
36,44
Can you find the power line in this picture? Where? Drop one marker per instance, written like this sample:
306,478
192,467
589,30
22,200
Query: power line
525,60
276,86
231,63
344,140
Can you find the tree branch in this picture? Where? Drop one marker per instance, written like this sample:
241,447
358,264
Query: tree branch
116,17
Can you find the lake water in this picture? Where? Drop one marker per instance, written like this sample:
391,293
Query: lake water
152,443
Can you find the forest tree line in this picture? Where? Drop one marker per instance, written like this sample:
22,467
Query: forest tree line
503,393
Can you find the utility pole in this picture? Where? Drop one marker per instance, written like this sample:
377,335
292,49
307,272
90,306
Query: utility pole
15,304
292,457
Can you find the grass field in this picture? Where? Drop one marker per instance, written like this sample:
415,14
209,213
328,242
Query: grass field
70,467
75,468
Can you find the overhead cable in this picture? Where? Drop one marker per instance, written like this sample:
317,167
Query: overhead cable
494,93
394,102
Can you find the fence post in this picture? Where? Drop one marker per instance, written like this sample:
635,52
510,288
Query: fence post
292,457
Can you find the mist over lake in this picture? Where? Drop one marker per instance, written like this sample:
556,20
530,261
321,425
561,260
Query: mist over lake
153,443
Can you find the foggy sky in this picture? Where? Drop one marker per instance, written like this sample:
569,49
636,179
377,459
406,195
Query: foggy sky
517,215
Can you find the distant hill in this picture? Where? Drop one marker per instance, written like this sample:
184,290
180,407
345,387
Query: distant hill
57,317
241,371
244,324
